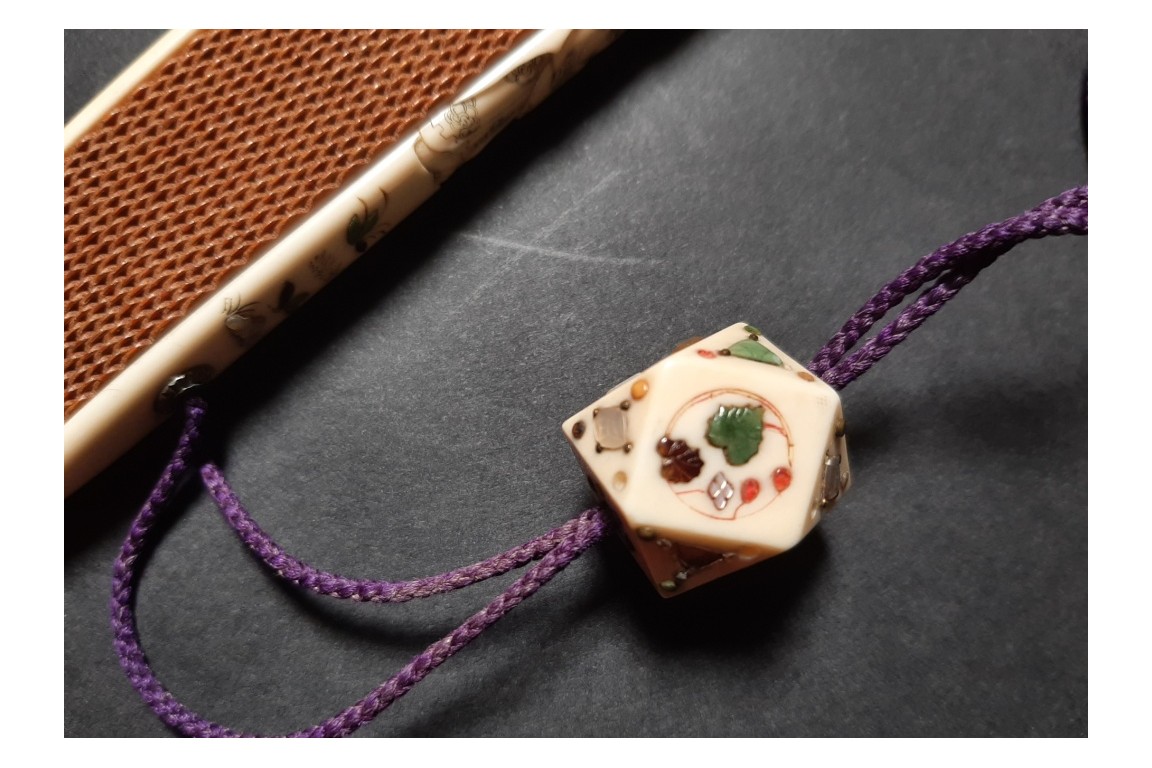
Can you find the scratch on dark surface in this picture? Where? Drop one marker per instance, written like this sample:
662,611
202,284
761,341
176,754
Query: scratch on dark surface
559,220
556,254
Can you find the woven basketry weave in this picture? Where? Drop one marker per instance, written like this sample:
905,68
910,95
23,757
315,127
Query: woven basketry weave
217,154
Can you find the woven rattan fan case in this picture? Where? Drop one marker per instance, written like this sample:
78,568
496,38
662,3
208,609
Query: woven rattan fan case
224,148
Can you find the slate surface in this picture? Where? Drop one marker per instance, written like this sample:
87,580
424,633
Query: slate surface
406,420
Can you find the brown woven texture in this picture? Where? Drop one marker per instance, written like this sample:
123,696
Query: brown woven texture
220,151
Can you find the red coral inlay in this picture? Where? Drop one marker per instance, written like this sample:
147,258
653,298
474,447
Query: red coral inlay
749,490
782,478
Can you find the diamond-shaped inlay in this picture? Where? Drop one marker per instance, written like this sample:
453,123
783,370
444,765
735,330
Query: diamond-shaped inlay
732,450
720,491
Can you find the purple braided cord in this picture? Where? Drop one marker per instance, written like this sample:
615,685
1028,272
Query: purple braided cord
370,591
952,267
580,534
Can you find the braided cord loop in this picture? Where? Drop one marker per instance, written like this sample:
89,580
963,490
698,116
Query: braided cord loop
300,573
945,270
555,550
951,266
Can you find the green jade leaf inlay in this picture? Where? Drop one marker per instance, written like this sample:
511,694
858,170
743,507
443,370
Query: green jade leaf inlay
753,330
738,431
754,350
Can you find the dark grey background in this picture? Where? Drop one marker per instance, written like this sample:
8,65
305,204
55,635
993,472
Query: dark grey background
406,420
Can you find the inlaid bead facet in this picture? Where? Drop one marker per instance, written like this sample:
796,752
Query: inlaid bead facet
732,453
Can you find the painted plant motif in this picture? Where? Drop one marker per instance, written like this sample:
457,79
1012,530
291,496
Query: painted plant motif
362,226
746,445
246,322
289,300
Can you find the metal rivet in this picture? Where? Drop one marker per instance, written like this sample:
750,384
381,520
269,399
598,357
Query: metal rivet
181,384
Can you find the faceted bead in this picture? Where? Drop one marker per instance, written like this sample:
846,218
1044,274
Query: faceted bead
721,455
